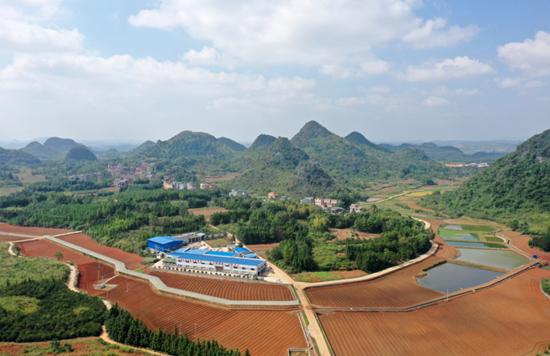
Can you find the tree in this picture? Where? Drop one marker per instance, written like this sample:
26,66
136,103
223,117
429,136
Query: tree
58,255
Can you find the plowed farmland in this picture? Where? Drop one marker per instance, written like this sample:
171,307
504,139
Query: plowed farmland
12,238
231,290
33,231
89,275
131,260
262,332
510,319
45,248
398,289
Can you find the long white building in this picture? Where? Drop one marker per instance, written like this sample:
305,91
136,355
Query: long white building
215,262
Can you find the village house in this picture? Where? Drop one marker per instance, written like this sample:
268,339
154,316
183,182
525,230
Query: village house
355,208
272,195
235,192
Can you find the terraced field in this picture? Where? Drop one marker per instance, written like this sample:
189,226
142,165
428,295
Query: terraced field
509,319
262,332
12,238
131,260
231,290
45,248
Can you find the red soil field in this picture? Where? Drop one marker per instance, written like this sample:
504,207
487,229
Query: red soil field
510,319
206,212
11,238
33,231
45,248
89,275
398,289
131,260
342,234
231,290
260,249
522,242
264,333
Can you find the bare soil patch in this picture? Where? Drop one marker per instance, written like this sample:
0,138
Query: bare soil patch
33,231
206,212
11,238
260,249
522,242
343,234
215,179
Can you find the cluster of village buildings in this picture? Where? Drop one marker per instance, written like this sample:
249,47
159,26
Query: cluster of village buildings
170,183
478,165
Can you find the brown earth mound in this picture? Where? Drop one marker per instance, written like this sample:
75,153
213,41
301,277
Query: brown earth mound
33,231
509,319
398,289
131,260
262,332
231,290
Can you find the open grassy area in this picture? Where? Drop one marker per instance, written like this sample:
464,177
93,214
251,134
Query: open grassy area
14,269
221,242
483,228
456,235
492,238
25,305
84,346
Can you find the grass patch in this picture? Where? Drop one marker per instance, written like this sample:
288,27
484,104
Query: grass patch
476,265
492,238
456,235
420,194
483,228
221,242
305,318
22,304
18,269
434,265
545,284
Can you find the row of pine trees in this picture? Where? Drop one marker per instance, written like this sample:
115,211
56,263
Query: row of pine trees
123,328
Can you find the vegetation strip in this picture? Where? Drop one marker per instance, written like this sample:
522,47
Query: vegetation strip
160,286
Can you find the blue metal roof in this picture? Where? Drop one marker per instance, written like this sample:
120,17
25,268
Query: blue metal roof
163,240
242,249
221,253
219,259
196,252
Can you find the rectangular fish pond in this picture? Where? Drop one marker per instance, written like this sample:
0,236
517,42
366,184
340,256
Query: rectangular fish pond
475,244
451,277
495,258
457,227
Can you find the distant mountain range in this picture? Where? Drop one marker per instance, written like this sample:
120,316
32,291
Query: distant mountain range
516,185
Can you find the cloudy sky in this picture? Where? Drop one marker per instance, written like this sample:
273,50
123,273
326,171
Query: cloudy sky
394,70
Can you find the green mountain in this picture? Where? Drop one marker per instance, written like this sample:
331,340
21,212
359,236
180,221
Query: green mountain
258,147
189,144
140,149
361,142
15,157
341,158
515,186
412,162
80,153
42,152
286,170
235,146
440,153
60,144
110,154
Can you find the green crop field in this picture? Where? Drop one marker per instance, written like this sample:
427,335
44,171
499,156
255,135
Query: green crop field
455,234
483,228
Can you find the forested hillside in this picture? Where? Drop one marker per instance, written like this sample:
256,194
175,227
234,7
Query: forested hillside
14,157
41,151
515,187
80,153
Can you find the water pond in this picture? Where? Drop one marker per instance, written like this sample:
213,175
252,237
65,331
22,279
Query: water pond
475,244
468,227
453,227
453,277
494,258
458,235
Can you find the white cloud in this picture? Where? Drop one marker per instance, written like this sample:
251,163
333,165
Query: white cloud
28,37
445,91
335,36
433,34
351,101
521,83
208,56
448,69
432,101
531,55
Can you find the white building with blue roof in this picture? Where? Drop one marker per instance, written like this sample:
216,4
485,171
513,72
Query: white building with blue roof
215,262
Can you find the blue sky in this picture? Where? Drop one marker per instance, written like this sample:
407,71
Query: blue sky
394,70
